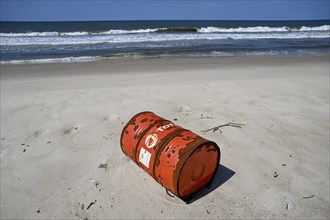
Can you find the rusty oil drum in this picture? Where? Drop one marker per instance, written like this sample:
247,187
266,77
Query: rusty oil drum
175,157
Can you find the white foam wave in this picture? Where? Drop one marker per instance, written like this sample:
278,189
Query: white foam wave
83,33
262,29
44,34
72,33
129,31
117,39
53,60
240,29
320,28
30,34
200,30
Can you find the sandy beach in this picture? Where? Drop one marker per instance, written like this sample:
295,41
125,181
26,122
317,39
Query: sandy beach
60,122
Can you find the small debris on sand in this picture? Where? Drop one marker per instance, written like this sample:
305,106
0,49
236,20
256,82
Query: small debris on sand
92,203
97,183
103,165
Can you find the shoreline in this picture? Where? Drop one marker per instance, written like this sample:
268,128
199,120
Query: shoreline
86,59
59,122
151,65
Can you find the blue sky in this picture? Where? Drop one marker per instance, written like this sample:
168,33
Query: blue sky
77,10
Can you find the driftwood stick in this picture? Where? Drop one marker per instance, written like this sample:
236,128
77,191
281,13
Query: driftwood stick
217,128
308,197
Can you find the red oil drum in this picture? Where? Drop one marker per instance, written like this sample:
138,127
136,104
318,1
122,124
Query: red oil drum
177,158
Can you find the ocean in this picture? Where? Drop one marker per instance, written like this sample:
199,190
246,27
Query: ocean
46,42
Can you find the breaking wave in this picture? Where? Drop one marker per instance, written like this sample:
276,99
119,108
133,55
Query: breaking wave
174,30
75,38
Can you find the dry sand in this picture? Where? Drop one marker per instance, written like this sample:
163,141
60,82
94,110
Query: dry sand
59,122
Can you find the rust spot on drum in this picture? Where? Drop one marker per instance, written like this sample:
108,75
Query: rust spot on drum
213,149
198,149
144,120
136,127
187,138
